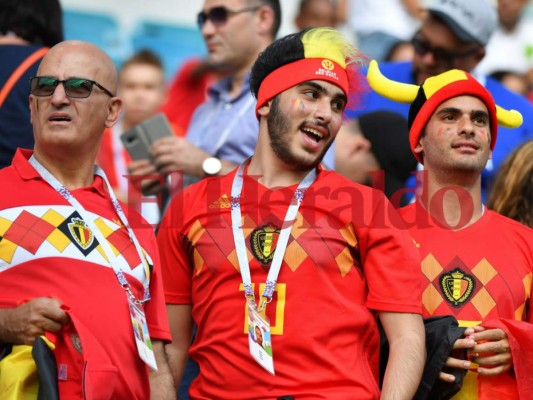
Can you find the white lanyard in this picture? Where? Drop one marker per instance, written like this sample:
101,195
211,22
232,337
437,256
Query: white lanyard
112,259
238,235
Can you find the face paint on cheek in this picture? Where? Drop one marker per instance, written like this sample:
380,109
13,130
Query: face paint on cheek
297,105
36,105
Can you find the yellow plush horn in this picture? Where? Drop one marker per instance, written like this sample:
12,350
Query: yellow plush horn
397,91
508,118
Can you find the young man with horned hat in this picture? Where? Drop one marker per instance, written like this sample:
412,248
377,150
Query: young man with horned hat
477,265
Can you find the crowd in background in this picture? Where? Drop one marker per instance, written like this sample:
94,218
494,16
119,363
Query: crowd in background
211,104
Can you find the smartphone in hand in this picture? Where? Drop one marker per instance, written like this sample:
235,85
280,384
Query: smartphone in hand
138,139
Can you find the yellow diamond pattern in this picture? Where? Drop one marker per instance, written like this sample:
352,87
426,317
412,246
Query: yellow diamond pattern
7,250
4,225
196,232
295,255
300,226
232,258
483,302
53,217
102,253
431,299
348,234
484,271
58,240
102,226
344,261
519,312
527,285
431,267
198,261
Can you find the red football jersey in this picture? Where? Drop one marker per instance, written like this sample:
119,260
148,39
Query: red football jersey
481,275
344,260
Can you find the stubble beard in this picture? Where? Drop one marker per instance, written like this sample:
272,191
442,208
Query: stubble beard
279,126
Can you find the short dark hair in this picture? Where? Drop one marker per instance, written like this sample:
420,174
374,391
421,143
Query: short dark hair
283,51
36,21
144,56
276,7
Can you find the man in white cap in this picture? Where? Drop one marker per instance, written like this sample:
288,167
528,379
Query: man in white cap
454,34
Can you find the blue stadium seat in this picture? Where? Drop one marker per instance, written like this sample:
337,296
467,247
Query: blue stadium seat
173,43
100,29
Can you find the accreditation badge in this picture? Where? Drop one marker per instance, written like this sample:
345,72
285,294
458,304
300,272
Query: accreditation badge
259,338
141,334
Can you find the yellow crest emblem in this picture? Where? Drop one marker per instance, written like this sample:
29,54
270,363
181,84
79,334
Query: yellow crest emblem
457,287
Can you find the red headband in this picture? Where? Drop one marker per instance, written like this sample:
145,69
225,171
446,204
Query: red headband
306,69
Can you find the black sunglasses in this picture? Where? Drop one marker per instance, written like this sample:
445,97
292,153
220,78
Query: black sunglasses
78,88
422,47
219,15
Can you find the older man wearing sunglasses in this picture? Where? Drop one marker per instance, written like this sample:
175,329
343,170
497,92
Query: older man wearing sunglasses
454,34
223,129
73,270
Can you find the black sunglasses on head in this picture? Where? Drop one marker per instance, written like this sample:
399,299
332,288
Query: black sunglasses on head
78,88
219,15
423,47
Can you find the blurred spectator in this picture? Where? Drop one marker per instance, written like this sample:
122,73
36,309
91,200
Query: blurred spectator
378,25
314,13
223,129
454,35
512,194
374,151
402,50
27,29
187,91
143,91
510,48
514,81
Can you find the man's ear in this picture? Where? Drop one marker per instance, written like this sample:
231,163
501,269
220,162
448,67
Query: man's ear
419,148
114,108
264,110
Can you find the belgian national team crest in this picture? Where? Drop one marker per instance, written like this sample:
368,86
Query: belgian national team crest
79,233
457,287
263,242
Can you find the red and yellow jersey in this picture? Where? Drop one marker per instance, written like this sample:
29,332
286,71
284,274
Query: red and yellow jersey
482,275
46,250
345,260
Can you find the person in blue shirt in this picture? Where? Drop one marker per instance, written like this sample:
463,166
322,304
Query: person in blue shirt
454,34
223,130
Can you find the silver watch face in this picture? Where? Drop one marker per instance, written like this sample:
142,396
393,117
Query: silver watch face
211,166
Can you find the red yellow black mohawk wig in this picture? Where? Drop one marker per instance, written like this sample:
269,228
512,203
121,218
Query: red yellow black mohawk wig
313,54
434,91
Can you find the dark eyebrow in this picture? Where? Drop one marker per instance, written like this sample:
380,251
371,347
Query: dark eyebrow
457,111
449,110
323,90
479,113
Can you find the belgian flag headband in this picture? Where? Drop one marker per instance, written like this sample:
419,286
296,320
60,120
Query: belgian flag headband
434,91
325,55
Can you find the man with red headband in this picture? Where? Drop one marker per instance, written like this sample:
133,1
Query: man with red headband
302,253
477,265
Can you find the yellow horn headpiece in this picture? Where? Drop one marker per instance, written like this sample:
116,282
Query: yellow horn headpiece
433,92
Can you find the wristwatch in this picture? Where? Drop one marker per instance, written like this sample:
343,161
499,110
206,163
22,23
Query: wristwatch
211,166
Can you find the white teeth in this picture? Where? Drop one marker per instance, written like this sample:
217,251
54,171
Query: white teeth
313,132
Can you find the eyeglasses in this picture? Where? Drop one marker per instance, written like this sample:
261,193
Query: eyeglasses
422,47
219,15
77,88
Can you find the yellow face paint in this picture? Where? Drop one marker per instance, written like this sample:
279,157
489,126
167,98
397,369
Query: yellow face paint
37,104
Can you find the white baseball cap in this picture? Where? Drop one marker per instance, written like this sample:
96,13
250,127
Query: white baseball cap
470,20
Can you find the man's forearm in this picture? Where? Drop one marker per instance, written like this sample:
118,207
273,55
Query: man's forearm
161,381
407,355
